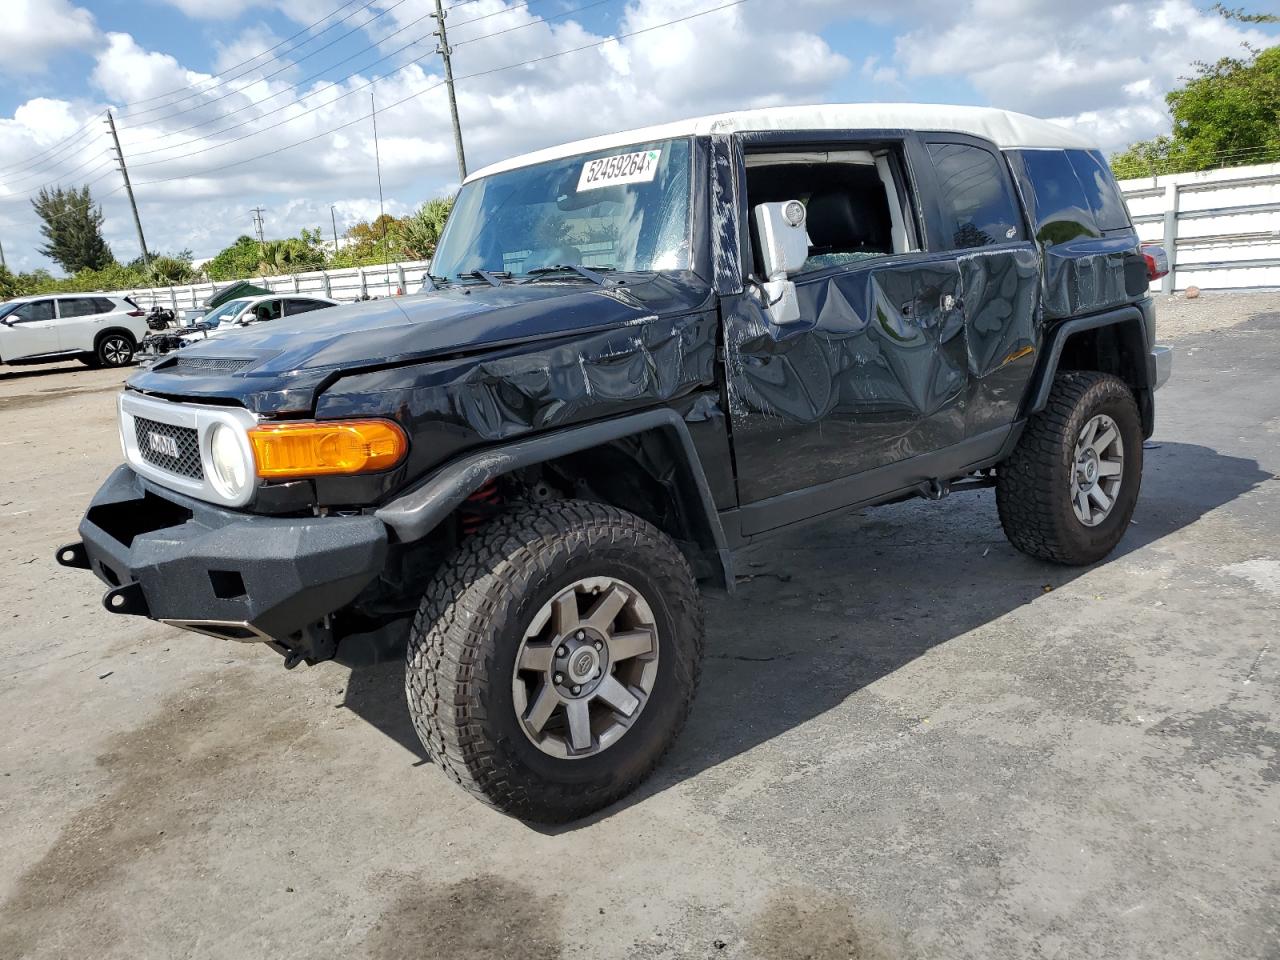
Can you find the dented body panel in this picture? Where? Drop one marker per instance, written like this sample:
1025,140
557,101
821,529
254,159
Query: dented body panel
677,394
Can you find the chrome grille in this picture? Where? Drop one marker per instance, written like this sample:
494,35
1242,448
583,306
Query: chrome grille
171,448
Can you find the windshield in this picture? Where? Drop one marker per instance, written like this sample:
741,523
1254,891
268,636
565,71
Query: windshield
621,209
224,313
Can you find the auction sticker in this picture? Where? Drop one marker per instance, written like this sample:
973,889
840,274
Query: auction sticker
639,167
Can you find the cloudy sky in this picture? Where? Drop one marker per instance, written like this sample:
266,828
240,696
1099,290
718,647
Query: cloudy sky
224,105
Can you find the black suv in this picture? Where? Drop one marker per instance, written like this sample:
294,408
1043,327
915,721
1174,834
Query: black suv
637,354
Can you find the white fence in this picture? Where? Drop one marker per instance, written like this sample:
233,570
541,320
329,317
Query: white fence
1220,227
352,283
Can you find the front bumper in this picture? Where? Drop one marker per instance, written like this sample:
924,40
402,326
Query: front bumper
229,574
1163,358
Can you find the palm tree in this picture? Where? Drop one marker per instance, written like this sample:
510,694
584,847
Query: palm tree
417,235
285,256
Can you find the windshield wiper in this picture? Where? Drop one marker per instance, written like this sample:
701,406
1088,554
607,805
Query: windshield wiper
494,277
577,268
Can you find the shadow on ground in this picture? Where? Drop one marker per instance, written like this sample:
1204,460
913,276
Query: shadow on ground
831,608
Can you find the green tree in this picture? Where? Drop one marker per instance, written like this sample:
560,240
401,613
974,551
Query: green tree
290,255
1227,115
72,229
416,235
235,262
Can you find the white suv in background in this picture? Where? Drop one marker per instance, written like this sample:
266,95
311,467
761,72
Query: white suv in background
97,329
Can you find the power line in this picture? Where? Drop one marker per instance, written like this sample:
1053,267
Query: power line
289,65
64,175
236,66
295,86
328,103
34,158
428,89
332,84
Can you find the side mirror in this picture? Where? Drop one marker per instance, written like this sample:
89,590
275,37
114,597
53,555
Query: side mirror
784,247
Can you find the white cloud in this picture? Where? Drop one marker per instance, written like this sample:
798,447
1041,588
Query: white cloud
215,9
35,30
1101,65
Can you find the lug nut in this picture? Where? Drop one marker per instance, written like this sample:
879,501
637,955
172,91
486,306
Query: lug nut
577,689
599,645
559,678
562,652
581,634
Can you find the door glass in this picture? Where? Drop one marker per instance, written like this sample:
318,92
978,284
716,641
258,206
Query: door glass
31,312
267,310
1058,203
977,204
76,307
1104,195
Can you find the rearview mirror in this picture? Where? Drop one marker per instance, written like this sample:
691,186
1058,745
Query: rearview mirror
784,247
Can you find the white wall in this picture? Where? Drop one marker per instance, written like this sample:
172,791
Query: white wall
1221,227
346,284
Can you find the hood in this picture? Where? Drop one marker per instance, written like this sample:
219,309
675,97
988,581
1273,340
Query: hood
277,367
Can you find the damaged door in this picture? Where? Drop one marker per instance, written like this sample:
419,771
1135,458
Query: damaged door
875,373
977,217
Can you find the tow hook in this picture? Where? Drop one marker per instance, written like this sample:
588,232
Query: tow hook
127,599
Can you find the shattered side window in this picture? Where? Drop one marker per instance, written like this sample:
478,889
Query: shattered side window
977,206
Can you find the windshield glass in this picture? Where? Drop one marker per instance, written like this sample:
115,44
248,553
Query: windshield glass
225,313
620,209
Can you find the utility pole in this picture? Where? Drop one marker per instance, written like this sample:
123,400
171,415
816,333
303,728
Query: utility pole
3,265
333,219
257,226
442,48
128,188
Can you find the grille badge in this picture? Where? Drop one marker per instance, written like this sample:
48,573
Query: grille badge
166,446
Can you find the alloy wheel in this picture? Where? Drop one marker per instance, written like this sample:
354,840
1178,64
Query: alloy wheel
1098,470
116,351
585,668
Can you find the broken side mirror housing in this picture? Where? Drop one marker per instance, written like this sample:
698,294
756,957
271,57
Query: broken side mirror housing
784,247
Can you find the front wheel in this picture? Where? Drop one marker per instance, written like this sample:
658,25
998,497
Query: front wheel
1067,492
554,658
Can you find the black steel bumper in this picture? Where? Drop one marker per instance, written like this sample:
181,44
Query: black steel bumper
215,571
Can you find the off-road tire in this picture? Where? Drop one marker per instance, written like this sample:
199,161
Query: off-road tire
471,621
1033,484
114,350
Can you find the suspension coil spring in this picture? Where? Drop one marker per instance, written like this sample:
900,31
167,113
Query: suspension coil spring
479,507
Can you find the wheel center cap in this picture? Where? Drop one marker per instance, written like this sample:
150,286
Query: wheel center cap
583,664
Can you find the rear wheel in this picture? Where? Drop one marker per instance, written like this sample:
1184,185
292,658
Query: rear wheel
1068,491
554,658
114,350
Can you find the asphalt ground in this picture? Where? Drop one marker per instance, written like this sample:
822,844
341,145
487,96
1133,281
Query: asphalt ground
910,741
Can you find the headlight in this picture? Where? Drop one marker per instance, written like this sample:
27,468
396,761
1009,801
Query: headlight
231,471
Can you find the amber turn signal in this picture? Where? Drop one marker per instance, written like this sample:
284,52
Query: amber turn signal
326,448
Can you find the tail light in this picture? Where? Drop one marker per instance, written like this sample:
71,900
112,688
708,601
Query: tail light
136,313
1157,260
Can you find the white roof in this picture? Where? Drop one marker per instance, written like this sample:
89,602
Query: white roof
1004,128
